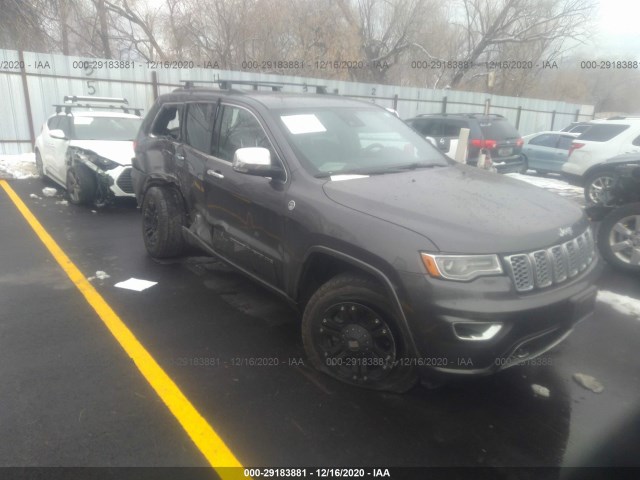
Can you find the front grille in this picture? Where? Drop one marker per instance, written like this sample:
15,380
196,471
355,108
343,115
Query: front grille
554,265
124,181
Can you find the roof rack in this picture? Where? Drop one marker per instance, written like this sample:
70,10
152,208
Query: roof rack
76,98
96,103
274,86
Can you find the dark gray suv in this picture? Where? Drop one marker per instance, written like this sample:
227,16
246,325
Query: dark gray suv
400,261
491,134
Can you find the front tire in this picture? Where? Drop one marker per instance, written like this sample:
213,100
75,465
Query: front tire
163,217
619,238
81,185
596,188
349,332
40,166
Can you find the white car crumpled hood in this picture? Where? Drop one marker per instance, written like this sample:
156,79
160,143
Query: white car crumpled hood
119,151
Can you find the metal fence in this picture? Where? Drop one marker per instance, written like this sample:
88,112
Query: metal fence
31,82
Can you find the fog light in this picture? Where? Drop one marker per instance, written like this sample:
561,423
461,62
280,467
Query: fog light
476,331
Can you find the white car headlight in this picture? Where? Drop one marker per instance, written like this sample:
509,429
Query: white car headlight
461,267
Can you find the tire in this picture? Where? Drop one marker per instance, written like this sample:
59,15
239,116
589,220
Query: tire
542,172
81,185
525,165
621,228
349,333
595,186
163,217
40,166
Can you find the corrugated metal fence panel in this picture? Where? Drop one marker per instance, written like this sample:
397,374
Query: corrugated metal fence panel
14,124
50,77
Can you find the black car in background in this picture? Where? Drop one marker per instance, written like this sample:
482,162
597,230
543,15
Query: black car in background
400,260
491,133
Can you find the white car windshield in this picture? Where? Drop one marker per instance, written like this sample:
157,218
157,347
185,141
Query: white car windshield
105,128
351,140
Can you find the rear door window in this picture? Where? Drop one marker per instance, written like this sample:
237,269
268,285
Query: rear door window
452,128
544,140
199,126
603,132
565,141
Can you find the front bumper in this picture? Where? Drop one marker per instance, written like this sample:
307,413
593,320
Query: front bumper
440,314
120,183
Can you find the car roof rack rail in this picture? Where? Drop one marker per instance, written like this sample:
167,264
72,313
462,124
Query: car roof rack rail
75,102
98,100
225,84
622,117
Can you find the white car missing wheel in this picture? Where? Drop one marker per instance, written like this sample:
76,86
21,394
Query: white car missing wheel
87,146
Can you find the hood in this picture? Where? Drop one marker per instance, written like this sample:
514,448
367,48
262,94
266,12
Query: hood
119,151
463,209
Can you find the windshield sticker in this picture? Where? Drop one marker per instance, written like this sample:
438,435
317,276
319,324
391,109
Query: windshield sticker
298,124
82,120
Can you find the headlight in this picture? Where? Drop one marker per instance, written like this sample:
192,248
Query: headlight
461,267
100,162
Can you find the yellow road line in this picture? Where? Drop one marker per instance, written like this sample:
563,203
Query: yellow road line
202,434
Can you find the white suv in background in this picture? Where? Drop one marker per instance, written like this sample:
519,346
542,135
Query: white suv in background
87,146
603,140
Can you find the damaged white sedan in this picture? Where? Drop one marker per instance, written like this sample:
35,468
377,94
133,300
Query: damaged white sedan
87,146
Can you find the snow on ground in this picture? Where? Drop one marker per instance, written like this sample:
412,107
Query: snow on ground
18,166
556,185
621,303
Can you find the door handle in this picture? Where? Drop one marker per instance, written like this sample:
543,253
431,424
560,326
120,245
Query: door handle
215,173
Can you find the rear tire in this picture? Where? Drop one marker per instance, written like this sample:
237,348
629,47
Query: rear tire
619,238
163,217
349,332
596,187
525,165
81,185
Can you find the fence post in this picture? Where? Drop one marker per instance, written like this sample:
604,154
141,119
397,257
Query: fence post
577,115
27,98
553,119
395,102
154,84
519,111
487,106
444,105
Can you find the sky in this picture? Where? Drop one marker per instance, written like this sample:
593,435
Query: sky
618,28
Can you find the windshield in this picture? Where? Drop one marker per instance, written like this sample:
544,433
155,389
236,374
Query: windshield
105,128
331,141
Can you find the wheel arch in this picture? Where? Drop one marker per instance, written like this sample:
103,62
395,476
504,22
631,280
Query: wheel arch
330,263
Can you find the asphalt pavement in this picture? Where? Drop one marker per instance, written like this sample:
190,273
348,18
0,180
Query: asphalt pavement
72,397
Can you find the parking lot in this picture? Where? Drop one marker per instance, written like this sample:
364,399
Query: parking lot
73,396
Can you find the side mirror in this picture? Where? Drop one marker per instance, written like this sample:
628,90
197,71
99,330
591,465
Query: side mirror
57,133
256,161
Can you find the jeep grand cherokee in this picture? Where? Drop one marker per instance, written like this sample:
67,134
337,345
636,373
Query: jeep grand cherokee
400,260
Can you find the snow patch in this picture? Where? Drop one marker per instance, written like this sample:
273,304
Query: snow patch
33,195
621,303
549,183
18,166
62,202
100,275
49,192
588,382
540,391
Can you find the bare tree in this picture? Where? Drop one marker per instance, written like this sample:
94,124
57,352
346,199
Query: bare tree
488,26
386,29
